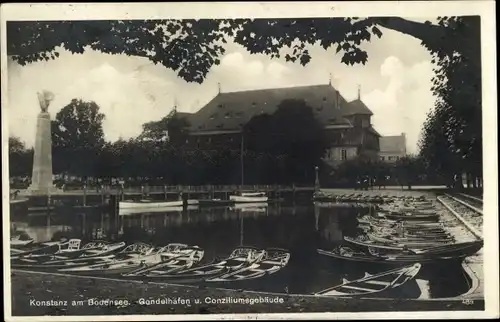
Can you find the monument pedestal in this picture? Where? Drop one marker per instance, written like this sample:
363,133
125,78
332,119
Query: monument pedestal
41,179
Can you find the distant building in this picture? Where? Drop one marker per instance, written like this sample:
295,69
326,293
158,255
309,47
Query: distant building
347,124
392,148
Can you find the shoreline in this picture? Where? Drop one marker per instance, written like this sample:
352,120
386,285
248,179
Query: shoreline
129,297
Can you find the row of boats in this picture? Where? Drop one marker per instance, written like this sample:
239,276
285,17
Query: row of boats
175,261
181,263
405,233
411,232
323,196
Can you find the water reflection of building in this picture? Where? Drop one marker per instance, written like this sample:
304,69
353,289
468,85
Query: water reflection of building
329,222
41,234
205,215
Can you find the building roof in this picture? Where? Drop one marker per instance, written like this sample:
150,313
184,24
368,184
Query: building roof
395,143
356,107
230,111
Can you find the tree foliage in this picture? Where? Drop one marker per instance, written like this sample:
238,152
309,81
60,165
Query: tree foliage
20,158
190,47
451,141
77,135
172,128
291,137
451,137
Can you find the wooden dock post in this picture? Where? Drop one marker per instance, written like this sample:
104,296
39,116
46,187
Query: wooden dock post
293,191
165,191
122,193
84,195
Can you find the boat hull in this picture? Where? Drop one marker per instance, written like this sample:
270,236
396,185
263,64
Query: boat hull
152,205
373,284
391,260
249,199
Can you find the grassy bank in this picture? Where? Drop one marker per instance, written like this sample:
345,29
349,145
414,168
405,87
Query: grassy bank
30,289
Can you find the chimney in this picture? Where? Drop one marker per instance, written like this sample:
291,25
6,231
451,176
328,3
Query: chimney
218,85
359,92
330,80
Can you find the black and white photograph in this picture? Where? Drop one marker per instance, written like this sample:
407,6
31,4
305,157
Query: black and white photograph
185,161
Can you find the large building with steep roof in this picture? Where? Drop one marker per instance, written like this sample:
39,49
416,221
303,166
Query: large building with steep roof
392,148
347,124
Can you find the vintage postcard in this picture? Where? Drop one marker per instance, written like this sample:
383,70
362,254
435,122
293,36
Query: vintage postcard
206,161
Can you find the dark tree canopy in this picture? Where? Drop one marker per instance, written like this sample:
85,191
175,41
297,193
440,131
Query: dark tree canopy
172,128
291,134
77,135
20,158
451,137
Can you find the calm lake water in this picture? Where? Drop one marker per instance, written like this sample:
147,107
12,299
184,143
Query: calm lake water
299,228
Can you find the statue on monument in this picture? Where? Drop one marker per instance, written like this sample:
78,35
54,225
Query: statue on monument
44,98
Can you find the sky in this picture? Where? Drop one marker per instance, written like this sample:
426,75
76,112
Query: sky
395,84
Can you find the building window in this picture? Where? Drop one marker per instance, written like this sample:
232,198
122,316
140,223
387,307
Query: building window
389,158
343,154
382,158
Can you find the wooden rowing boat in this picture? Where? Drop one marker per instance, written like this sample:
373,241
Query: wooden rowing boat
77,257
372,284
239,258
273,261
346,253
149,204
410,242
249,197
407,216
179,257
130,258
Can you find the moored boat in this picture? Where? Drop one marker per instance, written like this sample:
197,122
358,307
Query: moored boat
146,204
372,284
273,261
20,240
168,209
249,197
456,249
175,258
47,249
408,216
240,257
398,258
131,257
91,252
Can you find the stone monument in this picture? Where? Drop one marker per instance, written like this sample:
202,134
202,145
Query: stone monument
41,180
